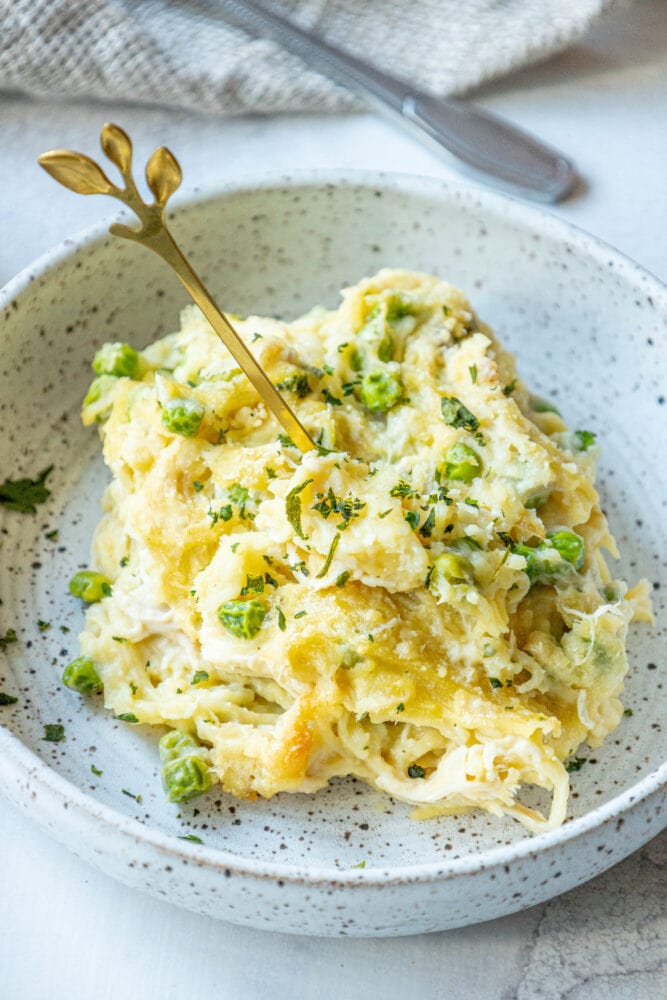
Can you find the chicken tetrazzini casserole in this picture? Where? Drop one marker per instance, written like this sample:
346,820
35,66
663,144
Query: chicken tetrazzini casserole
422,601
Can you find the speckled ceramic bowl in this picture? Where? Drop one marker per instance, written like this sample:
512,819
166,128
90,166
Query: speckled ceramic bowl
589,328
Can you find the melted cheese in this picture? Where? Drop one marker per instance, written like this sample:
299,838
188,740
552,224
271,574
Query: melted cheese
449,694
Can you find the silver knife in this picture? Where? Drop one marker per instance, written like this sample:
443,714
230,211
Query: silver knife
486,144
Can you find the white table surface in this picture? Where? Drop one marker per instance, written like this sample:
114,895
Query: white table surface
67,931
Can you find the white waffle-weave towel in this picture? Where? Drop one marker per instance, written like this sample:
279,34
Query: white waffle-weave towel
186,55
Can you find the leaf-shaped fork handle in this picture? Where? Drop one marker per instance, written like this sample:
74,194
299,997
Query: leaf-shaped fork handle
79,173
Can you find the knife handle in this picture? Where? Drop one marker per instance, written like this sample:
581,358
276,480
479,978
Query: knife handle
489,145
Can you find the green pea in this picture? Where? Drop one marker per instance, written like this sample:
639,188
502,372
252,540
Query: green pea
98,387
466,544
398,308
386,349
450,568
380,391
537,500
350,658
356,360
176,744
540,405
534,567
242,618
461,463
116,359
553,557
183,416
570,547
80,675
90,586
185,777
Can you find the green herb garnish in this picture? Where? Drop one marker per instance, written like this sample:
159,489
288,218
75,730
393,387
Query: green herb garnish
348,507
239,495
455,414
54,732
412,517
23,495
298,383
403,489
331,399
327,564
585,440
253,585
293,507
426,529
8,639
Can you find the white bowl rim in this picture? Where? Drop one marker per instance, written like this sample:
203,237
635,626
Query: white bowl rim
43,777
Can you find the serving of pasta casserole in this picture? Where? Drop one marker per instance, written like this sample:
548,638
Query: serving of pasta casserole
421,601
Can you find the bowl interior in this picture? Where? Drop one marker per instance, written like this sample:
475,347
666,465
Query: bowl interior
589,332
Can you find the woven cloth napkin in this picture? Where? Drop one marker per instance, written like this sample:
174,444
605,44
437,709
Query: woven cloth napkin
186,55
